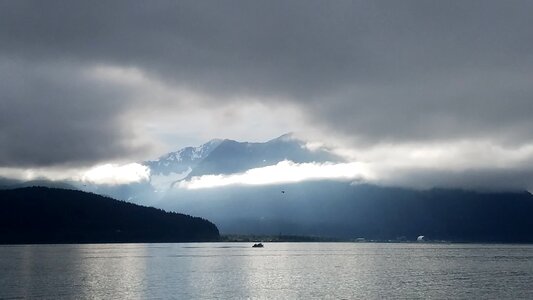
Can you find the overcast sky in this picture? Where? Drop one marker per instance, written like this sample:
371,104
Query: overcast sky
425,92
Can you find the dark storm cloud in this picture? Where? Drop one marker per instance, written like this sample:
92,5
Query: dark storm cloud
392,71
50,115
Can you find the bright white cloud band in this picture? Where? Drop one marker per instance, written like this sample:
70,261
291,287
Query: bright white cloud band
116,174
109,174
282,172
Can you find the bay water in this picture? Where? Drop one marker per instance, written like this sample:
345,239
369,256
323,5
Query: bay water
277,271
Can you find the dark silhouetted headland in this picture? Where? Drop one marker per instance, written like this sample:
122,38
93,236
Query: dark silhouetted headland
51,215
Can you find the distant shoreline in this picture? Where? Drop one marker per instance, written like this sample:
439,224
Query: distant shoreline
316,239
275,239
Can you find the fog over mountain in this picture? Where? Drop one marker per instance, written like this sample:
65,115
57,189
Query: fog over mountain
422,93
343,210
223,158
285,186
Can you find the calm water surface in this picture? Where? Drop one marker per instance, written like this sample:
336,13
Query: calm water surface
278,271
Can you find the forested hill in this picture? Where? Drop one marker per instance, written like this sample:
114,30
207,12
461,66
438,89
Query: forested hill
50,215
348,211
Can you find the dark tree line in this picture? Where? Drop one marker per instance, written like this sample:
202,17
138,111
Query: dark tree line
50,215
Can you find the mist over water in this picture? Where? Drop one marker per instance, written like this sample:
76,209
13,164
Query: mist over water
278,271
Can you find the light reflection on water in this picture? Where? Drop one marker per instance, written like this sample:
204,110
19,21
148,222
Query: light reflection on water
278,271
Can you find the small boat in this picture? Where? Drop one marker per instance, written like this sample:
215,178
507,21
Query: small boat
258,245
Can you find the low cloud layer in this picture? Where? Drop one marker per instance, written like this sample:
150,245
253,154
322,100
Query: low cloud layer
282,172
107,174
116,174
91,83
421,169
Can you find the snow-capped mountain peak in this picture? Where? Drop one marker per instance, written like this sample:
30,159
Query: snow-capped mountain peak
181,160
229,156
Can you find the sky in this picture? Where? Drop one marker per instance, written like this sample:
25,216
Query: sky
424,93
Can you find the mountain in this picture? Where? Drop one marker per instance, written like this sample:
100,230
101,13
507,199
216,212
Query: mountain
343,210
322,208
13,184
6,183
183,160
229,156
51,215
234,157
214,157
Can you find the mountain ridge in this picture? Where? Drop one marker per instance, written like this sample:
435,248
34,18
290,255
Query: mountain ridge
349,211
226,156
178,161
